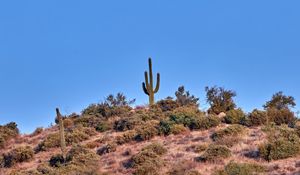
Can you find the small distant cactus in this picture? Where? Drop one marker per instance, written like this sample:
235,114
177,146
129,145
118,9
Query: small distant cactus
61,133
148,86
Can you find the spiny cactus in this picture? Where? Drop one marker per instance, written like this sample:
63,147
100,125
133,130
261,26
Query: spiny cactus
61,133
148,86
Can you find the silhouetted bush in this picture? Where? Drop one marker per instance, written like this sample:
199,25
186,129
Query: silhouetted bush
280,101
37,131
184,98
220,100
112,106
8,132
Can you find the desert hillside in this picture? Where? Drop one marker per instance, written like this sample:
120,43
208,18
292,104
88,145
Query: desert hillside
171,137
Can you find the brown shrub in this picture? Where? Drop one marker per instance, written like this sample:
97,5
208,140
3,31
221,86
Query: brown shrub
215,153
18,155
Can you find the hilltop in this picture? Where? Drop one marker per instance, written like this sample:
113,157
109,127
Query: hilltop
170,137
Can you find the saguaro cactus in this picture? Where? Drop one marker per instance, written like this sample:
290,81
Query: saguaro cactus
61,133
148,86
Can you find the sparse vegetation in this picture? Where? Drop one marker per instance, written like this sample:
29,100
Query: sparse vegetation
18,155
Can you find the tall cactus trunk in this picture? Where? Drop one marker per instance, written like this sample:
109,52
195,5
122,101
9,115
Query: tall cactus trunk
148,86
61,133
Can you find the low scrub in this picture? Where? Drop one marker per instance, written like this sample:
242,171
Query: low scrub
126,137
18,155
127,123
8,132
228,136
215,153
148,161
146,131
283,142
111,147
241,169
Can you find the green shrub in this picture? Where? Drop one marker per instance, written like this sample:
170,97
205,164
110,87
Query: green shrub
18,155
57,160
111,147
282,116
241,169
127,123
79,134
184,98
148,161
258,117
164,127
283,142
146,131
8,132
178,129
167,104
220,100
233,130
112,106
234,116
215,153
126,137
103,126
88,121
51,141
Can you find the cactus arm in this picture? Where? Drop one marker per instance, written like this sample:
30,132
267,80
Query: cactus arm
147,80
157,83
145,89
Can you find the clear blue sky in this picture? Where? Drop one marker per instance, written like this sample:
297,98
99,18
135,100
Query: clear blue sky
72,53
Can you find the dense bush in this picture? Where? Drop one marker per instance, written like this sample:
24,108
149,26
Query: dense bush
215,153
51,141
167,104
233,130
282,116
280,101
57,160
127,123
234,116
87,121
283,142
229,136
18,155
111,147
112,106
241,169
178,129
8,132
146,131
148,161
220,100
258,117
126,137
79,134
184,98
103,126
